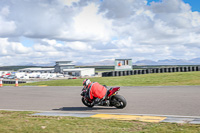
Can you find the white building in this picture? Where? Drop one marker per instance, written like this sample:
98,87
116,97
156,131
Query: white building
80,72
36,70
62,67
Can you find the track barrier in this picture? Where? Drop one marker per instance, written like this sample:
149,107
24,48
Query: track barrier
16,83
152,70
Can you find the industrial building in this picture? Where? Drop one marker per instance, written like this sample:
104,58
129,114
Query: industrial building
80,72
60,65
63,67
36,70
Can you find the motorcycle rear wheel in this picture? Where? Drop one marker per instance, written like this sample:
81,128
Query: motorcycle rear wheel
84,101
118,101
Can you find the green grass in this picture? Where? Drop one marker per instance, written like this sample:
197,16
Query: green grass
159,79
24,122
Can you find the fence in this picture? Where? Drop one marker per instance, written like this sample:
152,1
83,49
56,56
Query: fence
152,70
12,81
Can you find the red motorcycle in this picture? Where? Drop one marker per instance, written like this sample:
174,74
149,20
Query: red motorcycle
111,99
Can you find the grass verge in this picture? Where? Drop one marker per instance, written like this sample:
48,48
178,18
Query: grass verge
24,122
159,79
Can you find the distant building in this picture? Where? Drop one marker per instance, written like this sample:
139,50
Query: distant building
123,64
63,67
60,65
35,70
80,72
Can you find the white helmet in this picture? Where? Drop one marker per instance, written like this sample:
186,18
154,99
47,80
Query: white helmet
86,82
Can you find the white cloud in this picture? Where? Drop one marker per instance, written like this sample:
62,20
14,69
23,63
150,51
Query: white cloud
170,6
87,31
11,48
5,11
79,46
7,27
90,25
68,2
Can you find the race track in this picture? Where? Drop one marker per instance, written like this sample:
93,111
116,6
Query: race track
160,100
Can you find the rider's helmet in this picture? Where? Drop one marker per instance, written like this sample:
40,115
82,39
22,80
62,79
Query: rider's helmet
86,82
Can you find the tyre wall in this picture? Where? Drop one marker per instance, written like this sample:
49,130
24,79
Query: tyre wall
153,70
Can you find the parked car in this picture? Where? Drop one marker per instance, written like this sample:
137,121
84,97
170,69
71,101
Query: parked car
4,76
11,77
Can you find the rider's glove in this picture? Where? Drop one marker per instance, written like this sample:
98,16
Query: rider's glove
82,94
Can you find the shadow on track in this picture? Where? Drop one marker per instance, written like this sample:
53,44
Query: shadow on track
83,108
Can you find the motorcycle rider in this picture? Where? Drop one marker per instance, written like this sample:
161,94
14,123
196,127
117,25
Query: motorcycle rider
95,91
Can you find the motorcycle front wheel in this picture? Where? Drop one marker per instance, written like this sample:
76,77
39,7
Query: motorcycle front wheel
118,101
86,103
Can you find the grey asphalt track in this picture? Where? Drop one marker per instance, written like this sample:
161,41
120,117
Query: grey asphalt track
156,100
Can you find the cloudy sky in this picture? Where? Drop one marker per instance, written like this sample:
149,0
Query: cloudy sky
40,32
